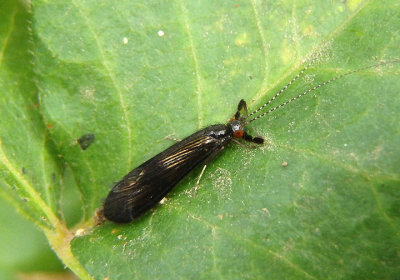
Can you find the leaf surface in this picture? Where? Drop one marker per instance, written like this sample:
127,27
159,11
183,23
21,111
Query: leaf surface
132,73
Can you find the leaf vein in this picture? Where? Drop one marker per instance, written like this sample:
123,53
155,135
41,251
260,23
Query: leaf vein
114,84
199,87
7,37
252,243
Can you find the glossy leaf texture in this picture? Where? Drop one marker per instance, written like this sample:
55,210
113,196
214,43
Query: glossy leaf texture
132,73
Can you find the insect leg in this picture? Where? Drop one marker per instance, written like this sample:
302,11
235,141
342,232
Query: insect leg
196,187
206,161
249,138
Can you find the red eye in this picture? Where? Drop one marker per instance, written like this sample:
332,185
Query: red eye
238,133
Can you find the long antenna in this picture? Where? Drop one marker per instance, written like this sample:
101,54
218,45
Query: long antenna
315,87
285,87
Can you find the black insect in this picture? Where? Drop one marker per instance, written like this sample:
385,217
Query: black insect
147,184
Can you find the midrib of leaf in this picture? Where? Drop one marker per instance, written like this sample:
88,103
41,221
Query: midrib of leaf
60,241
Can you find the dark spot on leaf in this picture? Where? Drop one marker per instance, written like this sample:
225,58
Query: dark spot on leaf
86,140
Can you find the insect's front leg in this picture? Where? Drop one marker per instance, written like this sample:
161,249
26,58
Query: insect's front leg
249,138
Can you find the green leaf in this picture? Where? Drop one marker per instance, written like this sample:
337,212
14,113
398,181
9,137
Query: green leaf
132,73
21,252
30,169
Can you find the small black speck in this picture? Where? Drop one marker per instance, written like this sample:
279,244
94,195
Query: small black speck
250,77
86,140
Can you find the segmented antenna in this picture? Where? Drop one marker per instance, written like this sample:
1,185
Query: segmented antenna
313,88
285,87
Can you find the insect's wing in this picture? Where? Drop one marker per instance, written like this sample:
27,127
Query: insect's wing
147,184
